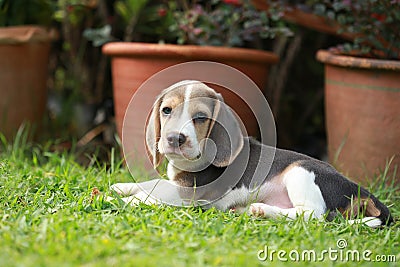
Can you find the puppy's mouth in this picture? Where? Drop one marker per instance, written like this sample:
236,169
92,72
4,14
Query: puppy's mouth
178,153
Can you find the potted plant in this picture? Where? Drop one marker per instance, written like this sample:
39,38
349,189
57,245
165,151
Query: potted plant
24,53
305,13
362,87
194,30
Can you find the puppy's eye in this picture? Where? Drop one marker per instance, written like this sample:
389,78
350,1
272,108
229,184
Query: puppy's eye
166,110
200,117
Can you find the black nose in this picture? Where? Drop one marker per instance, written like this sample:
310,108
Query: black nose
176,139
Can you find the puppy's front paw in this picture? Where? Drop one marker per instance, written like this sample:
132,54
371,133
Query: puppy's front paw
108,199
141,197
125,189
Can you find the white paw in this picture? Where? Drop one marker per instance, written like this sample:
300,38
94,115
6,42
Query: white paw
109,199
125,189
131,200
141,197
260,210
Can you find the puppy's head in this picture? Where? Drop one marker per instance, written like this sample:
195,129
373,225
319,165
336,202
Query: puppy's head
192,126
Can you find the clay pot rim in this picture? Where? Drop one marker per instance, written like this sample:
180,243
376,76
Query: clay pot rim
26,34
190,52
328,57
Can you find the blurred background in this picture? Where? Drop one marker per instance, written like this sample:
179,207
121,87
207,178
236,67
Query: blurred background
78,109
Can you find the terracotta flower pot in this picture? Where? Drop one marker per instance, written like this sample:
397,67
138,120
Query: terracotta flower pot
362,102
134,63
24,53
296,15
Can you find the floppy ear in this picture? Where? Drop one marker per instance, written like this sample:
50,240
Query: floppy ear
226,133
153,133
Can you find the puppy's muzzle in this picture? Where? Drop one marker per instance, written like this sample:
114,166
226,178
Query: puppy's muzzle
176,139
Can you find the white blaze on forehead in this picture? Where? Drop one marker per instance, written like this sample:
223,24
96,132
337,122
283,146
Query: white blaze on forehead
184,82
186,100
186,119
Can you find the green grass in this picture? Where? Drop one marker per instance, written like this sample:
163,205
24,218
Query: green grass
47,218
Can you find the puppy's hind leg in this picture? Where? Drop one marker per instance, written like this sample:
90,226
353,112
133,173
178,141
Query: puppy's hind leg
303,193
268,211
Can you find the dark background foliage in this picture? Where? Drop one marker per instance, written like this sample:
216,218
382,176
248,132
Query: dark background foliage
80,86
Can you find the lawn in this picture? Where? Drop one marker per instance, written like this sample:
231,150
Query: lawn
48,218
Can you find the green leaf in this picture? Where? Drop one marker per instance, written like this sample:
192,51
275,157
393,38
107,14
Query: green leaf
122,10
98,36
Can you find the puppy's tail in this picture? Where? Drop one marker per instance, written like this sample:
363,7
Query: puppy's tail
384,215
372,222
377,214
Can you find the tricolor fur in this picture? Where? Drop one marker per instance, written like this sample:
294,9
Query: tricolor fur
187,114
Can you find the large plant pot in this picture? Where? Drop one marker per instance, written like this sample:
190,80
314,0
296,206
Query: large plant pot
362,100
24,53
134,63
294,14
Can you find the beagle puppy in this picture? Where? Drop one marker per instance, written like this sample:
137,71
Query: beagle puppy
211,163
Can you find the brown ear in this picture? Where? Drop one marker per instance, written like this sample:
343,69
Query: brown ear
226,134
153,133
